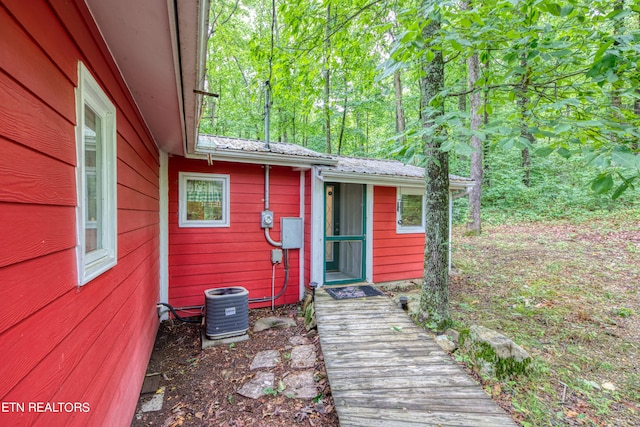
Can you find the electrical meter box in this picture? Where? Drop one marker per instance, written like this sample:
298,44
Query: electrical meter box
291,232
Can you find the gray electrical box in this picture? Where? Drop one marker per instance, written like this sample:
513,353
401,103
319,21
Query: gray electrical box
291,232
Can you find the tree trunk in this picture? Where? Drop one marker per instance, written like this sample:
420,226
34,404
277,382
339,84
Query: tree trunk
366,132
327,85
344,118
434,301
400,120
473,65
485,174
523,104
462,99
293,125
616,87
636,107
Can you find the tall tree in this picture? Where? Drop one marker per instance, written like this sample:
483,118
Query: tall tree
327,83
434,300
473,66
475,122
400,120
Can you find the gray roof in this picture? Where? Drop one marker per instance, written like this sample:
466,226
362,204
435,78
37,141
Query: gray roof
342,164
213,143
382,167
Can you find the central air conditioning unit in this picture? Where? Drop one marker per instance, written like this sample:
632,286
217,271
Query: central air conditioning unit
226,312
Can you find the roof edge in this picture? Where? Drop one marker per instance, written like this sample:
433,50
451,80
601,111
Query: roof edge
262,158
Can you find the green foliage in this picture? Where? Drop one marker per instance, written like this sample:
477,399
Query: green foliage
479,354
565,72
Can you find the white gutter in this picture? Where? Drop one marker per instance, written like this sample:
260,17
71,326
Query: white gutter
261,158
385,180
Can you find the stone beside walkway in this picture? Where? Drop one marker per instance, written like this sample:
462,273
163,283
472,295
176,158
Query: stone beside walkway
296,384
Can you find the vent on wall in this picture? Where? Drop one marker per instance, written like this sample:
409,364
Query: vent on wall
227,312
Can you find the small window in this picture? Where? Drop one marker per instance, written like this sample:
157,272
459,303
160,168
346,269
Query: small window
96,176
410,210
204,200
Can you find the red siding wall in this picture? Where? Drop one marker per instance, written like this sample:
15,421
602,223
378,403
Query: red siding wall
239,255
61,343
395,256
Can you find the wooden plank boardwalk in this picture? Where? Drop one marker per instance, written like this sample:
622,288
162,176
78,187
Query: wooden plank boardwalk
385,371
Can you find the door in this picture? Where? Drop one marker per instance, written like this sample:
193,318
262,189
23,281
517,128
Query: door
344,233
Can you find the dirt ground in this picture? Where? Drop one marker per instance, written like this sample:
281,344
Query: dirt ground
200,385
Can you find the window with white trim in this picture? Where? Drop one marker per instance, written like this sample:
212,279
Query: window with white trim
96,178
204,200
410,210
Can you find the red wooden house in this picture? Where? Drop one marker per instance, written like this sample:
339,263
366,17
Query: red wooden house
362,220
93,96
109,204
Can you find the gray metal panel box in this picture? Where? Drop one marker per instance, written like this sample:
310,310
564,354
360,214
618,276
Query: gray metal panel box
291,230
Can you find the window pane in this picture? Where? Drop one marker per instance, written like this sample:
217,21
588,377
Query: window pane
411,210
93,180
204,200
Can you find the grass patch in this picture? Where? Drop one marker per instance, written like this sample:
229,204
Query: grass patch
565,290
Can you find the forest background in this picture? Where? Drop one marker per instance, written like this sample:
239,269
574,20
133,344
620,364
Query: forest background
557,84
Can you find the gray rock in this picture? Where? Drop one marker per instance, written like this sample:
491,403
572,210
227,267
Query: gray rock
300,385
273,322
303,356
155,403
446,344
265,359
255,388
493,354
453,335
298,340
502,346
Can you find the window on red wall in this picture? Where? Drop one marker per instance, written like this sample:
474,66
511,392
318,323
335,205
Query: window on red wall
410,215
204,200
96,178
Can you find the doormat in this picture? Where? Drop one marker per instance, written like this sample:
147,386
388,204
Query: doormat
354,292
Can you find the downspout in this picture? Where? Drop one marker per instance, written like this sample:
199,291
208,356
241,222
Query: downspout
266,212
267,110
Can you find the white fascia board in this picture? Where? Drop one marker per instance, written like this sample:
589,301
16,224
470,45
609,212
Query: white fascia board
385,180
261,158
361,178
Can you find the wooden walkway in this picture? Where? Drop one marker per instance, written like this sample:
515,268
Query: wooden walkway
385,371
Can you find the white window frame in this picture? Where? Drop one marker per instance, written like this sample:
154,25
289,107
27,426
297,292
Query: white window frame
403,229
182,203
94,263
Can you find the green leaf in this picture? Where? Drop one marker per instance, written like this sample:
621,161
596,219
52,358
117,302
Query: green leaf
554,9
564,152
602,49
621,189
564,127
544,151
601,67
626,159
429,55
447,145
566,10
463,149
457,46
602,183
